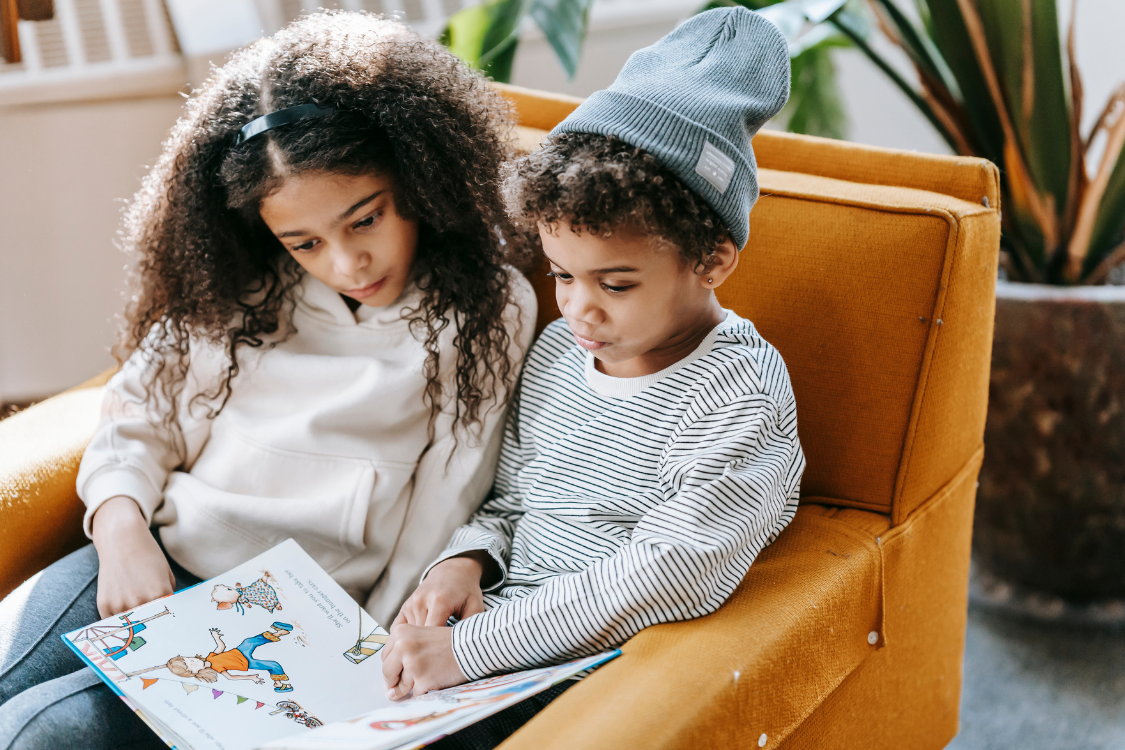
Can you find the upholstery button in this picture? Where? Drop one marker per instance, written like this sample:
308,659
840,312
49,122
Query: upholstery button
873,637
762,740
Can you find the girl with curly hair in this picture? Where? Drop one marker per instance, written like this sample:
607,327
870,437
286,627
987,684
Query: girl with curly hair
322,333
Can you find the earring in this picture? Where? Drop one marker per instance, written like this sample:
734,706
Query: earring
710,281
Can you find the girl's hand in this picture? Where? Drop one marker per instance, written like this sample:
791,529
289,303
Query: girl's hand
419,659
132,569
451,588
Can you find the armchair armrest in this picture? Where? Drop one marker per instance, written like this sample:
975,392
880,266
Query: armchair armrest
795,628
40,449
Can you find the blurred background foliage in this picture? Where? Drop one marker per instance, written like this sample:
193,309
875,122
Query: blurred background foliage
995,78
486,36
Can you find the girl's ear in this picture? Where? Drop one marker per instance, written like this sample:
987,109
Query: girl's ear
719,265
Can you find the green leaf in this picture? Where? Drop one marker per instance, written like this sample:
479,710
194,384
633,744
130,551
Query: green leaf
951,37
485,36
814,106
464,33
794,16
858,31
920,47
1109,226
563,22
1042,125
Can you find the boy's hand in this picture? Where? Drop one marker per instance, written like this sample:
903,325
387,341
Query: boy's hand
451,588
419,659
132,569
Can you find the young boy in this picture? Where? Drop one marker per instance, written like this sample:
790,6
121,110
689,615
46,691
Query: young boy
652,451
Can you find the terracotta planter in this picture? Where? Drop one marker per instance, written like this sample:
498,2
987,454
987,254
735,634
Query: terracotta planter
1050,513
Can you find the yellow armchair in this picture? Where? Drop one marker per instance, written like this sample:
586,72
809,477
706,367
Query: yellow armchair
873,272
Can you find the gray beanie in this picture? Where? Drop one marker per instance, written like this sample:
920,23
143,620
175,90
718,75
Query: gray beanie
694,100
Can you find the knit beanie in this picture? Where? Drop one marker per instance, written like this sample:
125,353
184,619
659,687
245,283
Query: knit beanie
694,100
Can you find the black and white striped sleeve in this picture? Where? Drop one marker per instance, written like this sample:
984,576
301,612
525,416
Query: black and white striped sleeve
730,477
491,528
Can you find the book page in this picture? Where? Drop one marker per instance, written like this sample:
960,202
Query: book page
427,718
274,648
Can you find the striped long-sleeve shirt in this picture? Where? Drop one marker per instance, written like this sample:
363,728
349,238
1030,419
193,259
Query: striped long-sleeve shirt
621,503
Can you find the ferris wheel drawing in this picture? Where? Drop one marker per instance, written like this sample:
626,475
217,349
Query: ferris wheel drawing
116,641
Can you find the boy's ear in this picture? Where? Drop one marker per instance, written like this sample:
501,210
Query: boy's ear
720,265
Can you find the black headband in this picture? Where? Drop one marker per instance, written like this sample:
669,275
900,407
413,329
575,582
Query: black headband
279,118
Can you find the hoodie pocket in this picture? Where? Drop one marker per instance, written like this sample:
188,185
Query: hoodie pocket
244,497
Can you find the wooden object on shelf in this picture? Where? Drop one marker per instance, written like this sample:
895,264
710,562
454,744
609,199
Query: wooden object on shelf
9,32
11,13
36,10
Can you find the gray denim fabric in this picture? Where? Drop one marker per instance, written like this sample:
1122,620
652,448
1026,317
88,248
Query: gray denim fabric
48,698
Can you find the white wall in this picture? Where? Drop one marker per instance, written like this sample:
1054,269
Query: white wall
65,171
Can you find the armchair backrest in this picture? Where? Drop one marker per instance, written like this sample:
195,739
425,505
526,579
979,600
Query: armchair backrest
873,272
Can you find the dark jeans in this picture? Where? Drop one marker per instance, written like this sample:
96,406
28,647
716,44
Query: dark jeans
48,699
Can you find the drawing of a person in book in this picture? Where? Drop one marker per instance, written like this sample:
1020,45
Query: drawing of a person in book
240,659
241,597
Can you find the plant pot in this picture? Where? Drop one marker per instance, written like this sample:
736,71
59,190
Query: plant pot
1050,514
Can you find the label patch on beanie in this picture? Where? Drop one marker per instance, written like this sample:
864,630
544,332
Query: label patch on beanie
715,167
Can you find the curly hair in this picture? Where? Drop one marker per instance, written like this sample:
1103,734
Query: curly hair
596,184
209,268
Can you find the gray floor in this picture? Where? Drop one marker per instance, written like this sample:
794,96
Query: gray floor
1041,687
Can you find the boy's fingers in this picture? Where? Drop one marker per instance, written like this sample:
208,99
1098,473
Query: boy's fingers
414,612
472,607
402,689
392,673
438,615
392,664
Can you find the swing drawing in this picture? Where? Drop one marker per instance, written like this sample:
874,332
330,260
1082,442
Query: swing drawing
366,646
115,641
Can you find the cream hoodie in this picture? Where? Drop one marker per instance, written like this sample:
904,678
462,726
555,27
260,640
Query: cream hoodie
322,440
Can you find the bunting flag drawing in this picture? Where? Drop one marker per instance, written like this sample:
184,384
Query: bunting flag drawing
289,708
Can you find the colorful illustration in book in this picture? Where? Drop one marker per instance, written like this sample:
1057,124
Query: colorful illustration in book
227,662
242,598
118,641
294,711
367,645
472,696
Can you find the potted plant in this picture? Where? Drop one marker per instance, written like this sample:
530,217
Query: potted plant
995,80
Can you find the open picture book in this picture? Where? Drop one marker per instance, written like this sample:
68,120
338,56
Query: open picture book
275,654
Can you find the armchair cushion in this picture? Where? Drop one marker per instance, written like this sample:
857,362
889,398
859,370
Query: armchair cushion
792,632
40,513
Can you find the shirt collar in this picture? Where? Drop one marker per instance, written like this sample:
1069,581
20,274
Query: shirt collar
325,303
